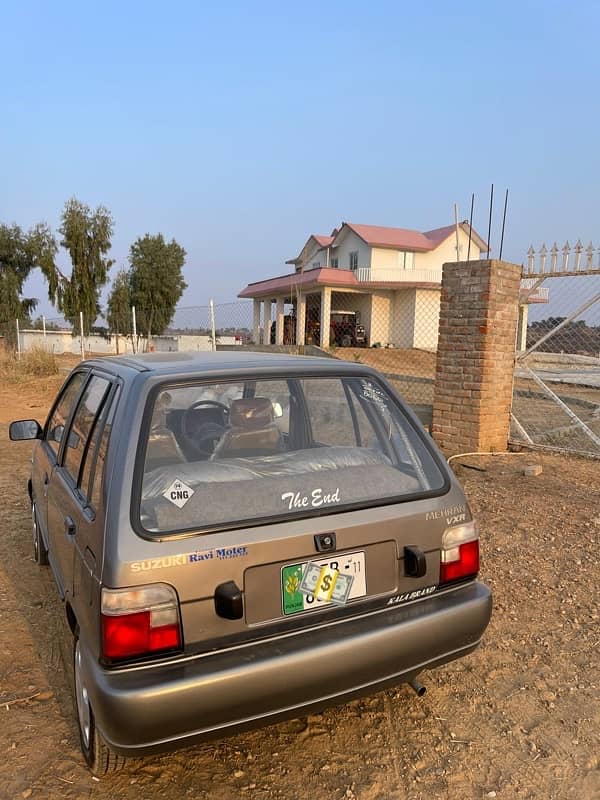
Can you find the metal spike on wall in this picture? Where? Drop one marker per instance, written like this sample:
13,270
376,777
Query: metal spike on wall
578,251
589,253
530,259
543,256
566,251
553,257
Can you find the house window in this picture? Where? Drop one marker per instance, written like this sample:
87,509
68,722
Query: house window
354,259
406,260
315,264
334,263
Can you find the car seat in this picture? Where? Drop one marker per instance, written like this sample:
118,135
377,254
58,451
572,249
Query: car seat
163,448
252,430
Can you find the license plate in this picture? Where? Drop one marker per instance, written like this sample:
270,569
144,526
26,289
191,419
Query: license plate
293,601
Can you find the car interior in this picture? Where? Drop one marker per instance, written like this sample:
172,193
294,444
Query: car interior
211,446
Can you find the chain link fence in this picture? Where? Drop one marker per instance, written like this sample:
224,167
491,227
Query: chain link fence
556,398
394,331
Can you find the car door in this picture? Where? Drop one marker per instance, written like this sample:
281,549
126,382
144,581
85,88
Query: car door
68,509
45,455
88,540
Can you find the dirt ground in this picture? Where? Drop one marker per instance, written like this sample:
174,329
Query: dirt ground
520,718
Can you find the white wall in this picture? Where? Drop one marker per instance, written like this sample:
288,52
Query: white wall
402,323
347,243
405,318
60,342
434,259
426,318
381,318
311,253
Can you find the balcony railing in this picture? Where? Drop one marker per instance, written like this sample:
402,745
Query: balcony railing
395,275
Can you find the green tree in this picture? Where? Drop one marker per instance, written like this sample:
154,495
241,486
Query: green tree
20,253
118,307
156,281
86,235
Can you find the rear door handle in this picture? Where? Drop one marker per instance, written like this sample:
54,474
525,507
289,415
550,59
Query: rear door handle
70,527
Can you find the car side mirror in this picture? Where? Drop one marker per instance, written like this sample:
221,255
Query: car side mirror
277,410
24,429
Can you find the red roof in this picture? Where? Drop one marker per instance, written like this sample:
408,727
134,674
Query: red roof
406,239
402,238
324,241
321,276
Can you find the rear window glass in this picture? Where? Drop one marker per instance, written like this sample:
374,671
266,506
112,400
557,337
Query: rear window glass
225,453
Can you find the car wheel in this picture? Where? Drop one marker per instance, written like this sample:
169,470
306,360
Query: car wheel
98,756
40,554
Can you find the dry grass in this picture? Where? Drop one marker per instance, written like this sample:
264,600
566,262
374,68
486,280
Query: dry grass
35,363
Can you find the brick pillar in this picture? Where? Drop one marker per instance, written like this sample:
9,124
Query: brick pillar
476,356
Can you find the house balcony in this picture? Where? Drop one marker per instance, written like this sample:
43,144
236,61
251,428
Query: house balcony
397,275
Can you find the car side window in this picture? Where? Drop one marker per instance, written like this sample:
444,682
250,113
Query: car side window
93,469
82,426
58,419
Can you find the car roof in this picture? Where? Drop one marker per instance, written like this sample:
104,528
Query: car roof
188,363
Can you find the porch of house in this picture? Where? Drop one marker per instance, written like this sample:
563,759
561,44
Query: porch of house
406,317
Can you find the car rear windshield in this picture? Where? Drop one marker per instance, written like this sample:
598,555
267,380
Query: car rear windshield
223,454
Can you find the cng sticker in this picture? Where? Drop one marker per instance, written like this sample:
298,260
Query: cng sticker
178,493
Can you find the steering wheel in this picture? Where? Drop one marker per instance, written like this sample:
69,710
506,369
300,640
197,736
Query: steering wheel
202,437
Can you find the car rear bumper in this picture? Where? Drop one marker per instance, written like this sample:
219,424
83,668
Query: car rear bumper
157,707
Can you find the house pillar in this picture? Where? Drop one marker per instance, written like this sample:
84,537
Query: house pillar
267,315
279,320
522,328
256,321
300,319
476,356
325,315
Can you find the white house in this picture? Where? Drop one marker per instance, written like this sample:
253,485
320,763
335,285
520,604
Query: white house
390,276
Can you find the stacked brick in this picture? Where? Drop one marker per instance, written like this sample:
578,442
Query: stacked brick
476,356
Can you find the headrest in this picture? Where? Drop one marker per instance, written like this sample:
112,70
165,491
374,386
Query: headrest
251,413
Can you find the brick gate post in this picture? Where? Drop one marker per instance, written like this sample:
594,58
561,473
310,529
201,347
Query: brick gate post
476,356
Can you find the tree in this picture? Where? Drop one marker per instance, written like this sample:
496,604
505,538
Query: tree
20,253
156,281
86,235
118,308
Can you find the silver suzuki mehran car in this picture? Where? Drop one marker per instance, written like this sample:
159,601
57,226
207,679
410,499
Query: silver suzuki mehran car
239,538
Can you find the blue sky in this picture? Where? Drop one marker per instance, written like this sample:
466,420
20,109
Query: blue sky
241,127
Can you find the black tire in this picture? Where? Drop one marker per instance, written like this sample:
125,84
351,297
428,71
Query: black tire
97,754
40,554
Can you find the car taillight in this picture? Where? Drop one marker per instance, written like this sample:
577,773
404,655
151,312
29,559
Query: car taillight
140,621
459,556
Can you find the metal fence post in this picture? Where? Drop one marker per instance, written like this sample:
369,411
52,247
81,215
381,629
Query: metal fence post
44,329
18,340
81,334
212,325
134,330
